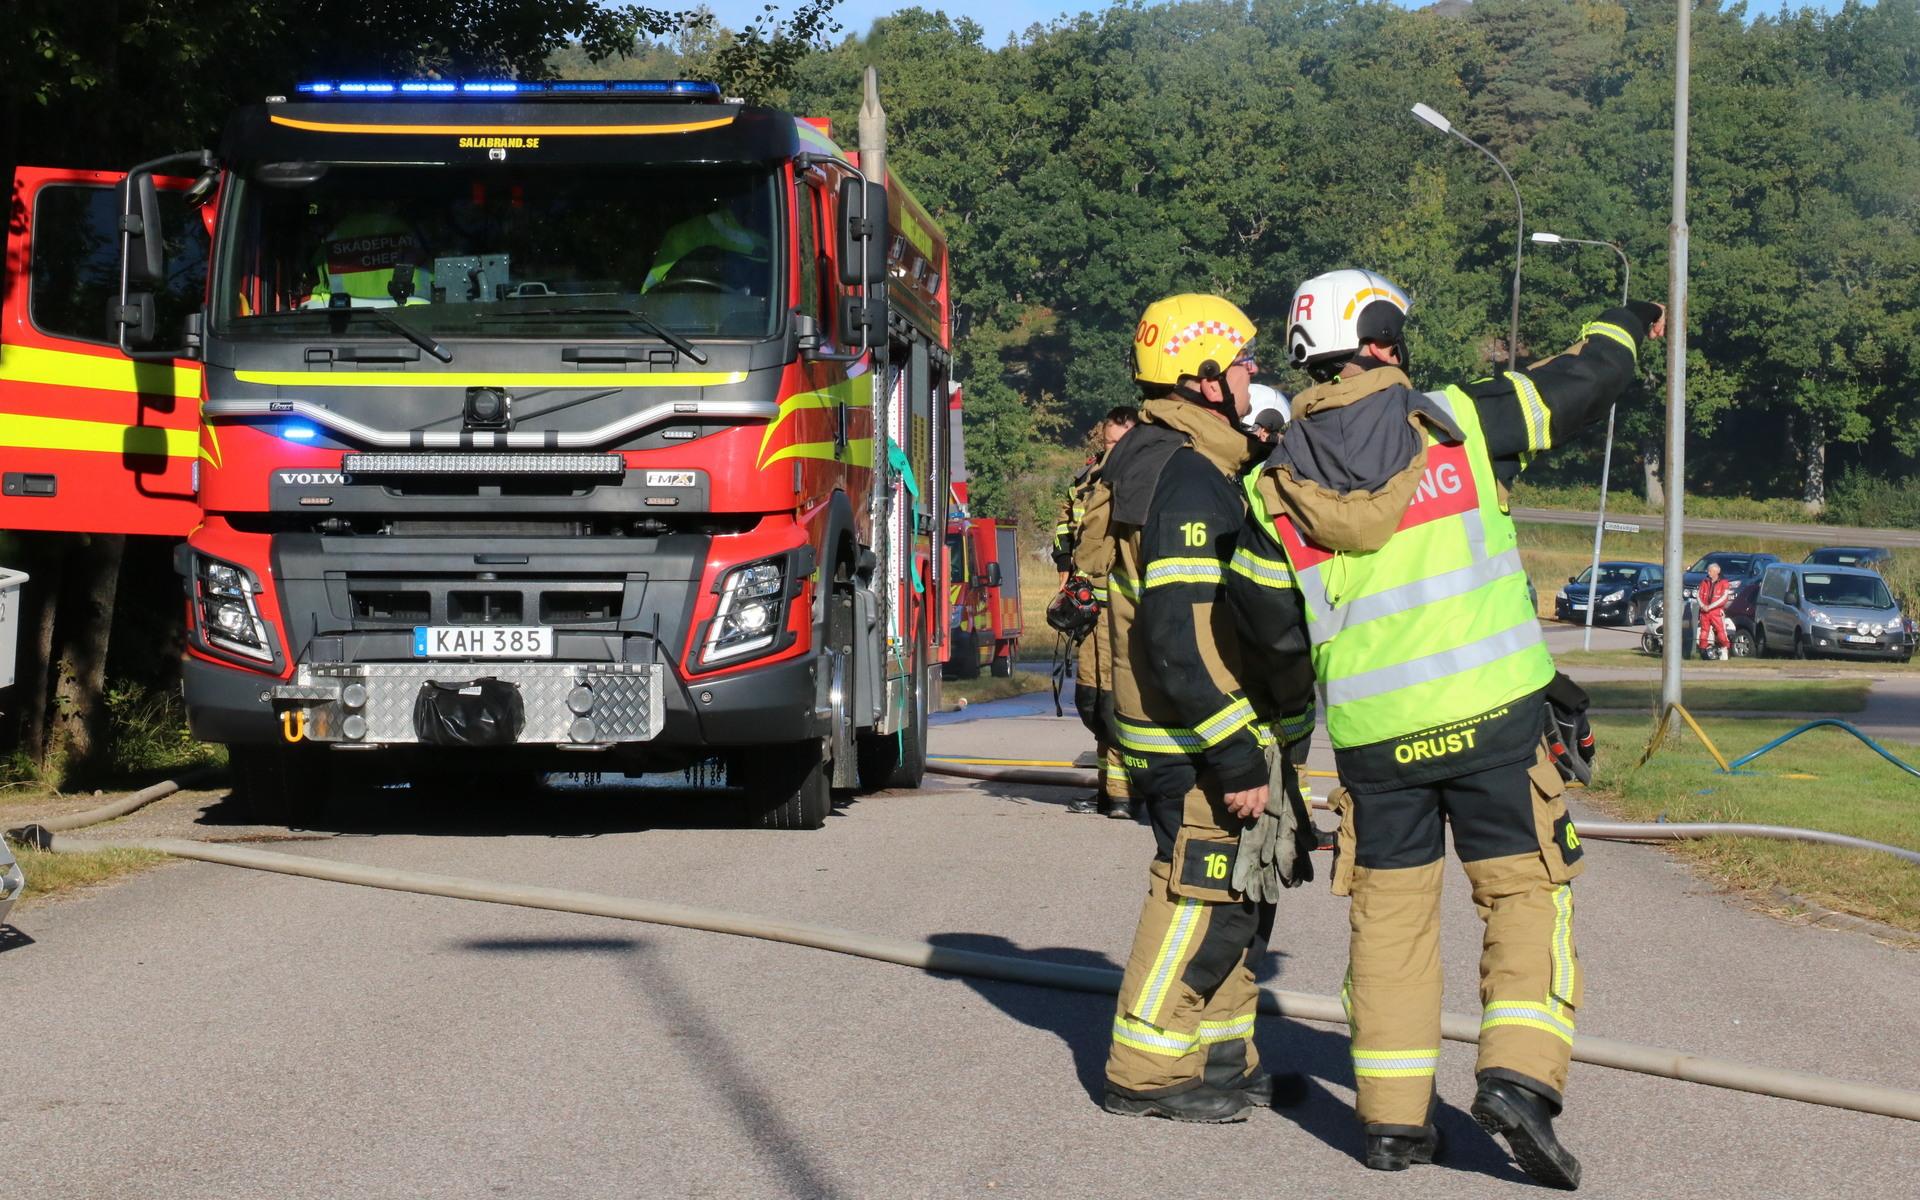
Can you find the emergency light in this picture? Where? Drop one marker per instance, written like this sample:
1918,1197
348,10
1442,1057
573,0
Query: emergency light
680,89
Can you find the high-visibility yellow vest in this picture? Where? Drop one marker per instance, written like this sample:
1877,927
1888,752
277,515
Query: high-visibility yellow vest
359,254
1435,626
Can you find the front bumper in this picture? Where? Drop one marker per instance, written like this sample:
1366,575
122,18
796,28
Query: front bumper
562,704
1829,641
1606,614
751,707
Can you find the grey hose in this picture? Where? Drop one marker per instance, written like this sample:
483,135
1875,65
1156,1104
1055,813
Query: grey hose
33,832
1626,1056
1606,831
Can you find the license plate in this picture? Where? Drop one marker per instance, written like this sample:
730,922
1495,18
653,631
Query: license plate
1578,607
482,641
1866,638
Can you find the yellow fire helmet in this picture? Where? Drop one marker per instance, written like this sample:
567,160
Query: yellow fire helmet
1190,334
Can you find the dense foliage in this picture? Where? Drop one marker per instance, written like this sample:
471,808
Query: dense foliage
1088,166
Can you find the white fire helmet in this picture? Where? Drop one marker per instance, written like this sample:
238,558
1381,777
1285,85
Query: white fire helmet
1268,402
1334,312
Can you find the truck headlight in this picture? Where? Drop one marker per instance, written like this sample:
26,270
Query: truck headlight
226,597
752,600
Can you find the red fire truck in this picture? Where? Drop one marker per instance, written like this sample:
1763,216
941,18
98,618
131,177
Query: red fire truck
983,595
516,426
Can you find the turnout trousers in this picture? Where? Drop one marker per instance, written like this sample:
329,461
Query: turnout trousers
1093,700
1520,852
1186,1006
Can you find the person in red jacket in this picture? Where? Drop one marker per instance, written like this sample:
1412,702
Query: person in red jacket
1715,594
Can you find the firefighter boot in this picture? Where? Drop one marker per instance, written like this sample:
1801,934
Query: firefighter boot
1113,778
1088,804
1525,1118
1395,1148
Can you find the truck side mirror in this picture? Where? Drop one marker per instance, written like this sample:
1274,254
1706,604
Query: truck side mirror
863,232
863,319
132,320
141,235
993,574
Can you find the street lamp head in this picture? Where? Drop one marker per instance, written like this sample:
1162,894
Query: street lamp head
1433,118
1546,239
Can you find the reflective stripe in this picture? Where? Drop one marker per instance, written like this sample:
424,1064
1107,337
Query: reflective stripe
1608,330
1168,739
1395,1064
503,130
1115,771
1099,593
1152,1039
99,437
1472,577
102,372
1564,964
1297,726
1528,1014
1124,586
1487,650
1173,948
1265,571
1534,410
1226,1031
1228,721
1183,570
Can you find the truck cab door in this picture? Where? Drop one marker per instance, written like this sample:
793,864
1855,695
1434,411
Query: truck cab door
90,440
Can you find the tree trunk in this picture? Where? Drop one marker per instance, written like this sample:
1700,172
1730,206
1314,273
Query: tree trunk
85,621
1650,464
1813,455
43,558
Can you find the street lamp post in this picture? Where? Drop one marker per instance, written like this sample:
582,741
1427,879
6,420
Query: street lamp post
1606,462
1439,122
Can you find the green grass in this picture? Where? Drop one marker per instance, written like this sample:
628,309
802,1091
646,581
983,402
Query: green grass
1787,668
1824,779
1629,502
988,687
1738,695
49,874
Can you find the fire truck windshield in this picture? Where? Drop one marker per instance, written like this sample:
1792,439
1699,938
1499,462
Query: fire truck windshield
550,253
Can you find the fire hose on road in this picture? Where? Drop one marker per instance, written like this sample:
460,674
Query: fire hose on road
1607,1052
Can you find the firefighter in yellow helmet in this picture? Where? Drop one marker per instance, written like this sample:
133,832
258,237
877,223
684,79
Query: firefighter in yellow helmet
1182,1044
1441,700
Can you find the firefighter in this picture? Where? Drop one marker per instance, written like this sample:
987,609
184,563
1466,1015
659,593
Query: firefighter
1391,508
1183,1029
1081,547
372,255
714,248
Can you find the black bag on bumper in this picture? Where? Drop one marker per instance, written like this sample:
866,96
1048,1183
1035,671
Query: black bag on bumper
485,712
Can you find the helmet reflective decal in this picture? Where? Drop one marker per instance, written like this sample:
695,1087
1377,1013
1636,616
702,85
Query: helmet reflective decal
1181,337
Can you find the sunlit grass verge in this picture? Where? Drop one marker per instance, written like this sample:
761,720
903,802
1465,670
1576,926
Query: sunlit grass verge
1839,696
989,687
1824,779
50,875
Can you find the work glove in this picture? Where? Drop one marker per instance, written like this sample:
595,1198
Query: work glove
1275,846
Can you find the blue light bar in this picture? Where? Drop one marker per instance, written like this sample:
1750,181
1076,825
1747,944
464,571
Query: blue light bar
299,433
691,89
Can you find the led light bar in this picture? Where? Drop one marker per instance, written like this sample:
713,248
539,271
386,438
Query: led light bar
483,464
685,89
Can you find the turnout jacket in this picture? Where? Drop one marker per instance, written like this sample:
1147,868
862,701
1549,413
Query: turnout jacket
1355,482
1176,513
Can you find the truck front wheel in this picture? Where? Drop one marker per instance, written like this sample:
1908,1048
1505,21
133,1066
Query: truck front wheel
282,785
787,787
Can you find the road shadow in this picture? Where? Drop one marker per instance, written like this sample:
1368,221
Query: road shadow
1084,1020
516,806
13,939
702,1046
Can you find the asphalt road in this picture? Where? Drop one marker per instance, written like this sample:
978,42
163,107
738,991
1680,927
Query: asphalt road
200,1031
1818,535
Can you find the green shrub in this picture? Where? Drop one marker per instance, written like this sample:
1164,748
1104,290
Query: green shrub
1863,498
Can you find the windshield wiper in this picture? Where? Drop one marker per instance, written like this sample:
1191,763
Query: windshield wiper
637,316
418,337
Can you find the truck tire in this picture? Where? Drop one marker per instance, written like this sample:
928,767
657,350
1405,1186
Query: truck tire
964,660
788,787
1002,667
282,785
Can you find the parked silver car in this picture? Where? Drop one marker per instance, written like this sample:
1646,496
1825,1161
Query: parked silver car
1805,609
